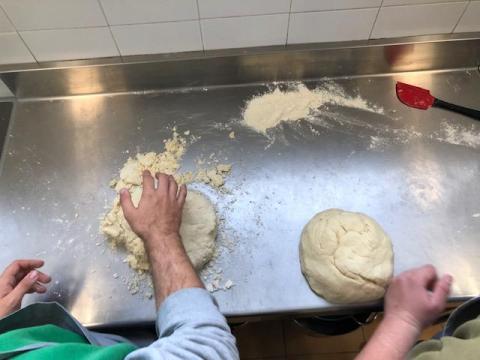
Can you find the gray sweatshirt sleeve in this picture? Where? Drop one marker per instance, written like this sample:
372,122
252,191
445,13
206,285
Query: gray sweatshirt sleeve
190,326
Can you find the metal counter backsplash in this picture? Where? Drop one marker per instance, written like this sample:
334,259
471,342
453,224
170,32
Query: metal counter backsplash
256,65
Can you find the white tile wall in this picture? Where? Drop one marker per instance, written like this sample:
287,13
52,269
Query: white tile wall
76,29
394,21
316,5
14,50
415,2
5,25
329,25
53,14
225,8
470,21
244,31
158,38
69,44
120,12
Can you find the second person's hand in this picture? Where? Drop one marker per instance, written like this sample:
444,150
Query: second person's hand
19,278
417,297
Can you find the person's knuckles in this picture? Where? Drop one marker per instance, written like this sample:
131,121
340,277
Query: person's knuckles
428,270
14,265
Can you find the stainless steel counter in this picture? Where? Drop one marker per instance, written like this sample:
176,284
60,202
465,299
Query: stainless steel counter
401,168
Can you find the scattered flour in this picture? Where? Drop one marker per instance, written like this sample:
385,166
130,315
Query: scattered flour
458,135
268,110
376,142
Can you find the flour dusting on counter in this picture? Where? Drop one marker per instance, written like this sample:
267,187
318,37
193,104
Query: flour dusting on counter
458,135
266,111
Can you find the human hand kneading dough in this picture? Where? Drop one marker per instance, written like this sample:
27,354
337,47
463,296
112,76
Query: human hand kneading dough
157,221
417,297
159,212
414,299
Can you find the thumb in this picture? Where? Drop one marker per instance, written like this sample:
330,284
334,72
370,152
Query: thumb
23,287
441,291
126,203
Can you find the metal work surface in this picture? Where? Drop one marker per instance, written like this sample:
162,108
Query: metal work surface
403,167
5,112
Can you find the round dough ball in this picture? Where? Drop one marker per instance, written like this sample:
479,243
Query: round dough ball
346,257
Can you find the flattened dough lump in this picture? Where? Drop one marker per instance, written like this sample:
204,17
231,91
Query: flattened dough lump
198,231
346,257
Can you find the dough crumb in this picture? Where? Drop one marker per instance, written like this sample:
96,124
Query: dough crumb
133,286
232,135
228,284
214,176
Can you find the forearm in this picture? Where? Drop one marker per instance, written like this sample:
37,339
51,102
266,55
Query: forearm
392,340
171,267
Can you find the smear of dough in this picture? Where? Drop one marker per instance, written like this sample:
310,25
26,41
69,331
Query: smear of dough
268,110
346,257
199,220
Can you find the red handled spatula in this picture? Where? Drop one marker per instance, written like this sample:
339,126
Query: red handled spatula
419,98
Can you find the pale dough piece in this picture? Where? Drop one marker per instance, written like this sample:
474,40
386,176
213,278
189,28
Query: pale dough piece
346,257
198,231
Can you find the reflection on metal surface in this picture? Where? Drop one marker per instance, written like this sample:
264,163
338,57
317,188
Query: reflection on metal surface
82,109
84,306
425,179
303,63
467,283
84,81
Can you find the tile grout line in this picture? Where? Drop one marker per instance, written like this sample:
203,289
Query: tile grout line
375,21
218,18
65,28
18,33
461,16
200,27
110,30
288,22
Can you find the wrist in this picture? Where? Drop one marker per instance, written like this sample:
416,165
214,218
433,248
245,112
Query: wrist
392,340
400,334
159,240
404,320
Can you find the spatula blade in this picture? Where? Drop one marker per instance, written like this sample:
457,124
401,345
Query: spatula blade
414,96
